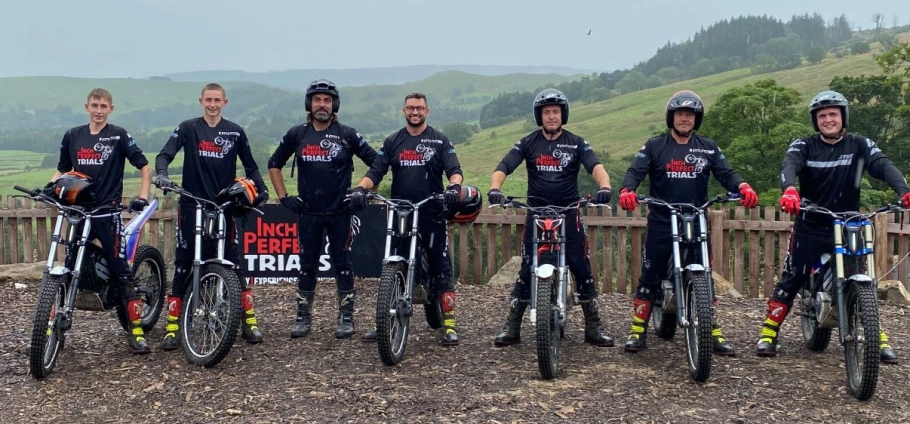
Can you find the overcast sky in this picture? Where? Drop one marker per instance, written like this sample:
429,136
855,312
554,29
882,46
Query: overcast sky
136,38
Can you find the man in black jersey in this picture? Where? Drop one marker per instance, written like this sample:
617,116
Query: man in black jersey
828,166
553,157
679,164
211,146
100,150
324,150
419,155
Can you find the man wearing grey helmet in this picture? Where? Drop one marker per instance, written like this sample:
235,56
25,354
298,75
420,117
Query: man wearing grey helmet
553,157
826,165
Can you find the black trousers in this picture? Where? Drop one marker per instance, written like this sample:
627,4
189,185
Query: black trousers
183,256
312,230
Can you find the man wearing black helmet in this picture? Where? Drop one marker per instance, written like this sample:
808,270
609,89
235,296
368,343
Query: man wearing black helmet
211,146
324,150
553,157
419,155
99,151
679,164
827,166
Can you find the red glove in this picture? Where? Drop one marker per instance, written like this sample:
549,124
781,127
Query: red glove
905,200
628,200
789,201
747,196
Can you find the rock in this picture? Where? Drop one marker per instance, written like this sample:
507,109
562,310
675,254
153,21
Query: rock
508,273
722,287
894,291
22,272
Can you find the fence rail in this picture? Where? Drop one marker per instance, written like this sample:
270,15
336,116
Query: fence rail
748,247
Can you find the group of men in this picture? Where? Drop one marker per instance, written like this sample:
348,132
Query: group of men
824,165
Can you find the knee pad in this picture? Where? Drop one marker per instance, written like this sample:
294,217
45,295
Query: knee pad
521,290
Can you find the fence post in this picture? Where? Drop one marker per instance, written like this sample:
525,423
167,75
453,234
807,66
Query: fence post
883,257
716,227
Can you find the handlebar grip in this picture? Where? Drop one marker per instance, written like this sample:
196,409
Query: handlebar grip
22,189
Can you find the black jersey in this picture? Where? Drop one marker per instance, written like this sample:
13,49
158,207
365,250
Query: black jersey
679,173
325,160
552,165
102,157
418,163
209,157
829,174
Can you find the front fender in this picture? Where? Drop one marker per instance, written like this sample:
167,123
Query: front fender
393,259
59,270
862,279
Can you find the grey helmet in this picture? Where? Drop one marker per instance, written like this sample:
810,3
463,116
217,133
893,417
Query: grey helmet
322,86
550,96
686,100
825,99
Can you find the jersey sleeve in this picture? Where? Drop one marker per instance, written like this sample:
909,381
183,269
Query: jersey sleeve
284,151
881,167
722,171
65,164
132,151
360,147
639,168
169,151
513,158
450,159
381,164
794,161
588,158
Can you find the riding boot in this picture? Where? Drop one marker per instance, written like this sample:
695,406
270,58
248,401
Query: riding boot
250,331
887,354
304,321
136,339
594,333
638,335
170,341
511,330
449,336
719,344
345,315
767,342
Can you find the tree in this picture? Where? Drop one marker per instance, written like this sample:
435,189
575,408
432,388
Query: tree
754,125
815,55
458,132
859,47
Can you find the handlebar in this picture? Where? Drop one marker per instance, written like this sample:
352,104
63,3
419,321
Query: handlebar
808,206
183,192
548,210
720,198
397,203
38,195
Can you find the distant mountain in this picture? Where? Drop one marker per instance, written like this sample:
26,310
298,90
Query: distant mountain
299,78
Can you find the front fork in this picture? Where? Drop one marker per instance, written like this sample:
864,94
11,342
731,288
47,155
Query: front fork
840,282
76,272
560,272
682,302
197,252
392,218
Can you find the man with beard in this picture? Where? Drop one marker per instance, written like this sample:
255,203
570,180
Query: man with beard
419,155
553,157
211,146
324,150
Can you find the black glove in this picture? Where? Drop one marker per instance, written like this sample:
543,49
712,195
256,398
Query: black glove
603,196
295,204
47,190
358,198
163,182
451,194
138,204
261,198
495,197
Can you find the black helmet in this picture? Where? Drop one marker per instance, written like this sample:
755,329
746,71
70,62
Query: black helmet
685,100
73,188
322,86
551,96
242,191
470,201
825,99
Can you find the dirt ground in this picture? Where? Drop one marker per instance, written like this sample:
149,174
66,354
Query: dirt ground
321,379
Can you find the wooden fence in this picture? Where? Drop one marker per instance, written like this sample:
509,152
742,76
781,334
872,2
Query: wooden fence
747,246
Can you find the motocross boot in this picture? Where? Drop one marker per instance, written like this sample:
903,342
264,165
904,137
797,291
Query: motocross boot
250,330
767,343
719,344
170,341
594,333
511,330
638,335
887,354
304,321
136,339
345,315
449,336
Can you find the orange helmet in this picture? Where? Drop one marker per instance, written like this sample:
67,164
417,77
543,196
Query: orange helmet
470,201
73,188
